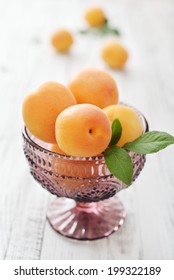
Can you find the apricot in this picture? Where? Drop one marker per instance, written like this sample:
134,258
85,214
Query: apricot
95,16
83,130
94,87
41,109
114,54
56,149
131,124
62,40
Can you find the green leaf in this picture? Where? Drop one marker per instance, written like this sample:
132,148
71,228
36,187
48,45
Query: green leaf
150,142
84,31
106,29
119,163
102,30
116,132
115,31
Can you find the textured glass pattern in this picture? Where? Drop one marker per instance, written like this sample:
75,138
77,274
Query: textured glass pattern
82,179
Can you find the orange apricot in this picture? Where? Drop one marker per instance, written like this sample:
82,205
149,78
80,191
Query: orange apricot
83,130
62,40
56,149
94,87
95,16
41,109
114,54
131,125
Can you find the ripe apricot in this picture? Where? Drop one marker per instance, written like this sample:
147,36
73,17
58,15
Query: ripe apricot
114,54
41,109
83,130
94,87
56,149
62,40
131,124
95,17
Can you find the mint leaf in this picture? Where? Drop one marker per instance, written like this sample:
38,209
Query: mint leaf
119,163
116,132
106,29
150,142
114,31
102,30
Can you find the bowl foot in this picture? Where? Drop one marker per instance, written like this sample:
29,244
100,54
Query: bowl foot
86,220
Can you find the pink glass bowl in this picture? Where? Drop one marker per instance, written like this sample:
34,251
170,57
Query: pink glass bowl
86,207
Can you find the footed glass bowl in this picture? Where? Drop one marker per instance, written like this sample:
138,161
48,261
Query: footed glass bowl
86,207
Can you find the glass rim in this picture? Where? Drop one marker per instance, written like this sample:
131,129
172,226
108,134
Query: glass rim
56,155
92,158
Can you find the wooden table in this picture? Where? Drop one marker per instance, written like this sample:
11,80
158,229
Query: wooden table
26,61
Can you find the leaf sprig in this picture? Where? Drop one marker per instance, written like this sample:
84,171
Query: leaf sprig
118,160
102,30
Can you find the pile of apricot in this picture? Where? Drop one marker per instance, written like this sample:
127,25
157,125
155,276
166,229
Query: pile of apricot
113,53
76,120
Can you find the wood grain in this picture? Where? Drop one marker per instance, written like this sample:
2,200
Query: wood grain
26,61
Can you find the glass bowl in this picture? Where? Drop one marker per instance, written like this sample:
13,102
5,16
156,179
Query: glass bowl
86,207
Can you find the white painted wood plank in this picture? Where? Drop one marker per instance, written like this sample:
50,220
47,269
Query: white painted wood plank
25,240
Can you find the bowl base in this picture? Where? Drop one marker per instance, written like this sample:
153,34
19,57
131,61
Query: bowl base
86,220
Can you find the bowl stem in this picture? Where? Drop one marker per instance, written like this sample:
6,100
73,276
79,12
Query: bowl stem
86,220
